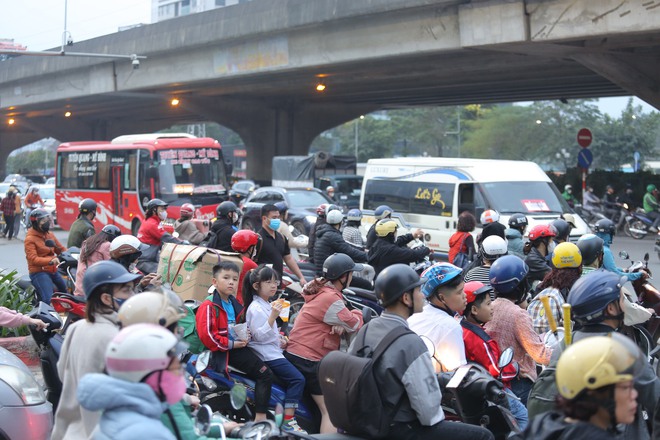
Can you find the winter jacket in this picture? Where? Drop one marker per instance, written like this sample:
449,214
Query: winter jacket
39,255
538,265
224,231
650,203
80,231
484,350
311,337
181,413
312,237
151,232
330,241
33,199
188,231
83,352
405,371
495,228
552,425
213,326
515,243
385,253
460,242
12,319
131,411
100,254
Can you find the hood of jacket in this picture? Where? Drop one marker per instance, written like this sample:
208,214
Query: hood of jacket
100,392
313,288
326,229
511,233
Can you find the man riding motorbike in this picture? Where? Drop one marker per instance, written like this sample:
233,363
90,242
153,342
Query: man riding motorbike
651,206
83,228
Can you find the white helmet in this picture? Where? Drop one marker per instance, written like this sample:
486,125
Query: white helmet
493,247
160,306
489,216
334,217
141,349
124,245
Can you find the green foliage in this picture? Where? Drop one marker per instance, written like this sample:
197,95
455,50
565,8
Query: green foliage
30,162
12,297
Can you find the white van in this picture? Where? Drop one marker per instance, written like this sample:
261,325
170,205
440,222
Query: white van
430,193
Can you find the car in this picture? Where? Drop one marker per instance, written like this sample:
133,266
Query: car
25,413
15,177
302,204
347,189
50,181
21,185
240,190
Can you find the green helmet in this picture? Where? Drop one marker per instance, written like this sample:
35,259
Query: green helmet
650,188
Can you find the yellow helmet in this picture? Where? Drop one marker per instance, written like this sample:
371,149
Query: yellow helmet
597,362
566,255
160,306
385,227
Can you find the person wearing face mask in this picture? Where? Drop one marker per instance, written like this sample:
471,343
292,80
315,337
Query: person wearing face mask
539,246
247,243
144,376
275,248
107,285
83,228
41,251
153,235
227,217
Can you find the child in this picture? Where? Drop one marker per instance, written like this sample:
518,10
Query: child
215,318
259,286
247,243
481,348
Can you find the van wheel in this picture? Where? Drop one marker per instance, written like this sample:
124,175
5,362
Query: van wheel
135,227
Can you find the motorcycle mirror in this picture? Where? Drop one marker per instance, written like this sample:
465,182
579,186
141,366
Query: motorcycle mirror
366,315
202,362
624,255
238,396
505,358
279,414
646,257
202,421
175,234
50,243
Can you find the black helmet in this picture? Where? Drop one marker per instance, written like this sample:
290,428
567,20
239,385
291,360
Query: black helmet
331,207
111,231
562,227
518,221
591,246
36,215
337,265
86,206
105,272
225,208
394,281
605,226
155,203
591,294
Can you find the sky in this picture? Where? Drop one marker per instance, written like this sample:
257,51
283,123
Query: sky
39,24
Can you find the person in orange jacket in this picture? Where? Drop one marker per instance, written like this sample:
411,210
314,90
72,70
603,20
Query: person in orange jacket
41,251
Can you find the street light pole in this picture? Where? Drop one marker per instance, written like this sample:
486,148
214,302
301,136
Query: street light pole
357,143
457,132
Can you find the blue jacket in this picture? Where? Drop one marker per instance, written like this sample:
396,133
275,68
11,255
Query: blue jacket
131,411
515,242
609,264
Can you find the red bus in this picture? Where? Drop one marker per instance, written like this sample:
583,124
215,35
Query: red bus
124,174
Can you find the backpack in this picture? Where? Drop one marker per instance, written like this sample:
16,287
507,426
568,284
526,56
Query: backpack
189,326
351,391
210,241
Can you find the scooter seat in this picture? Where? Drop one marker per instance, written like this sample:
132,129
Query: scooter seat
363,293
24,282
74,298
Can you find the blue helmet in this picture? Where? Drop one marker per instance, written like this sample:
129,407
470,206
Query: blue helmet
591,294
507,273
354,215
438,275
382,211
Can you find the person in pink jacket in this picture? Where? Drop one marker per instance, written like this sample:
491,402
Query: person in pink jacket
12,319
95,248
320,323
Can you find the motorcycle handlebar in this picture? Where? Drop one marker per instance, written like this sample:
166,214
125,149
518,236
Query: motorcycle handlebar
495,392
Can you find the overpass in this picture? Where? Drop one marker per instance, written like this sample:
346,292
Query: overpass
253,67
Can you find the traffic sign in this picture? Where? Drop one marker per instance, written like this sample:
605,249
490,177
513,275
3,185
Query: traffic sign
584,137
585,158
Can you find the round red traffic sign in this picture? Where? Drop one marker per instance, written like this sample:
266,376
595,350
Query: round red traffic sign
584,137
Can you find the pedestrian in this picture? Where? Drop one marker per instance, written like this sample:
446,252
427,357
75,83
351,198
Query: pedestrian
8,207
18,211
275,248
95,248
462,241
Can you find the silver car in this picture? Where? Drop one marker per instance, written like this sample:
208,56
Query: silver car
25,413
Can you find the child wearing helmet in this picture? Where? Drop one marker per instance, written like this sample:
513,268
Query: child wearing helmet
539,246
83,227
445,298
186,227
95,248
351,232
247,243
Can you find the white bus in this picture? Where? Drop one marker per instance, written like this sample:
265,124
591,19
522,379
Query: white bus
430,193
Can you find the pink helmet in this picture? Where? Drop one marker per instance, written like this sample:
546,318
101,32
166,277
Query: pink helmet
187,210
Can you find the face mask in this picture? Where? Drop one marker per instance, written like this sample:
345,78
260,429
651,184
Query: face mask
634,314
163,215
234,218
132,267
274,224
45,227
119,301
551,246
172,386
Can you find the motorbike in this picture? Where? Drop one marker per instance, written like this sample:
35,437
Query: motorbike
589,216
637,223
647,296
68,267
73,307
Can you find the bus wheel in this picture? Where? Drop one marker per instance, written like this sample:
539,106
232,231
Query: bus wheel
135,227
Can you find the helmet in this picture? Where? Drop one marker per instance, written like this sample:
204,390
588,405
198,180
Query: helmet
86,206
566,255
507,273
438,275
320,210
473,289
354,215
489,216
331,207
225,208
34,189
605,226
334,217
570,219
518,220
567,187
493,247
596,362
106,272
111,231
187,210
395,280
244,239
124,245
541,231
382,211
155,203
282,207
36,216
161,307
337,265
591,246
591,294
385,227
140,349
562,227
650,188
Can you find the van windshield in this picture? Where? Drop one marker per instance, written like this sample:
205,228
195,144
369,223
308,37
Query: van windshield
524,197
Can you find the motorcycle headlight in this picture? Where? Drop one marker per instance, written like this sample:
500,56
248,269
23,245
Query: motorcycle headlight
259,430
23,384
311,218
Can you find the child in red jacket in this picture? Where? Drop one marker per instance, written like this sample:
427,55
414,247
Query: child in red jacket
215,320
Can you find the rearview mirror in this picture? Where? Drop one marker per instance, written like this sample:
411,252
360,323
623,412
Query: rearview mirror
366,315
646,257
505,358
238,396
203,420
202,362
624,255
50,243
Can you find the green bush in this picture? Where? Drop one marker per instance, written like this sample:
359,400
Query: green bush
12,297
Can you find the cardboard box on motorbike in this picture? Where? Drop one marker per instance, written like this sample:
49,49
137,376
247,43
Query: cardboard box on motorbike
189,269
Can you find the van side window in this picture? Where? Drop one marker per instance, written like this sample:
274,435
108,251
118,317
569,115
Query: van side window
392,193
411,197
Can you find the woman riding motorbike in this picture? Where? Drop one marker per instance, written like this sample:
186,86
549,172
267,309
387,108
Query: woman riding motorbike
153,235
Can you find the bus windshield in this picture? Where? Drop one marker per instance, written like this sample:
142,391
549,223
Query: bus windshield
524,197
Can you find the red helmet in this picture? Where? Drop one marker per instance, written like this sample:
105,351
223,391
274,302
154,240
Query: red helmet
473,289
541,231
187,210
320,210
244,239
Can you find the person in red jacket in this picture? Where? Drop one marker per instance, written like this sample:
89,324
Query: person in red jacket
481,348
215,320
151,231
247,243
